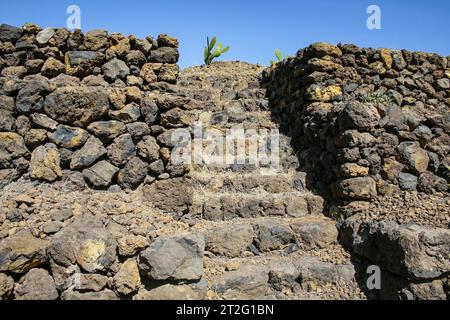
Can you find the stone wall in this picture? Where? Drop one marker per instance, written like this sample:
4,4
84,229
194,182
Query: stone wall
371,128
366,122
86,102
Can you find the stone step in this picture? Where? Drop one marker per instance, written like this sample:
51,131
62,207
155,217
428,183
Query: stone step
285,164
214,128
237,116
240,238
204,97
244,94
224,93
254,104
275,257
253,182
299,276
228,205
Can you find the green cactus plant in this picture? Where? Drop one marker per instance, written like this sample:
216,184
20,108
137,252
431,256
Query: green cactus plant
210,53
279,57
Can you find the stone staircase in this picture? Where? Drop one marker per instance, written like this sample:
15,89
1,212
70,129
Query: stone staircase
225,192
267,236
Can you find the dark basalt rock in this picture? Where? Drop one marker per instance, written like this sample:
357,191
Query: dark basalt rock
9,33
78,106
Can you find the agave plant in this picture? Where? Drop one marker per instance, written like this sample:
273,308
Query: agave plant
211,53
279,57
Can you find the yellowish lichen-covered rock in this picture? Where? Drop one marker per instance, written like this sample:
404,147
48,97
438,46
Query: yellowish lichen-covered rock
387,57
148,74
322,65
447,73
414,156
85,243
378,67
127,280
12,146
318,93
45,163
89,253
351,170
131,244
320,49
120,44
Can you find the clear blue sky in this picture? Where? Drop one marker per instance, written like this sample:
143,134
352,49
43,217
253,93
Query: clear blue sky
254,28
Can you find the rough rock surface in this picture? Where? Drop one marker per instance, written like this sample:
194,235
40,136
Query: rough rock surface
37,284
411,251
101,174
86,243
171,196
77,106
88,154
68,137
247,283
174,258
6,286
231,241
45,163
22,252
127,280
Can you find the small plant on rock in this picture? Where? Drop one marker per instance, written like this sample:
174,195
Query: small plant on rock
211,53
279,57
376,98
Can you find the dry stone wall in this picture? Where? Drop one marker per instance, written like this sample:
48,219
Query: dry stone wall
85,102
367,122
371,128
